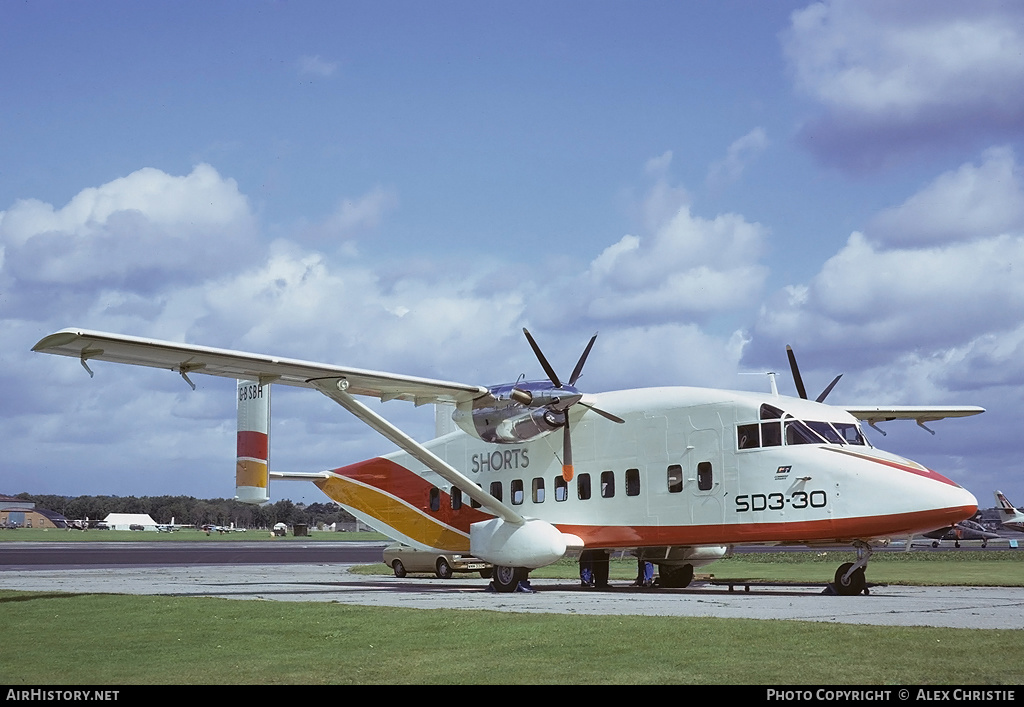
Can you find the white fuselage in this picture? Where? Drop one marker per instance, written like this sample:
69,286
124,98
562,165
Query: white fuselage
682,471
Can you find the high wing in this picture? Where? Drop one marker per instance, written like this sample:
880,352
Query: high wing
873,414
88,345
336,382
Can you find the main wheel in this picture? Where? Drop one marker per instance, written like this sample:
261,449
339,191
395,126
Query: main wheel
399,568
852,586
675,577
506,579
444,570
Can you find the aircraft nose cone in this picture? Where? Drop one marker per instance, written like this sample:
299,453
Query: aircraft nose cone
966,498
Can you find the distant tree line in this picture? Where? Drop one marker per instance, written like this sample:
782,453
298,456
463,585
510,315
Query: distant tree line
187,510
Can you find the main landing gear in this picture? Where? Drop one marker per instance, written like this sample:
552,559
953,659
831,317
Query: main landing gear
506,579
849,579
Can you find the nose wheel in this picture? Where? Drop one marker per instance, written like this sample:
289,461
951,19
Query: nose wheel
849,578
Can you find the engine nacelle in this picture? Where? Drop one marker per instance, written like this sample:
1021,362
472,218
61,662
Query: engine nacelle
533,544
506,419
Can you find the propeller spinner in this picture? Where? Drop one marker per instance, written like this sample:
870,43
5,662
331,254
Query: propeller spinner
560,398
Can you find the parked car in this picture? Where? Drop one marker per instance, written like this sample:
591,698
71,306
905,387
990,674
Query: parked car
404,559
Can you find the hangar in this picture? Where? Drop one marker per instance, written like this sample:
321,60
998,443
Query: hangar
19,513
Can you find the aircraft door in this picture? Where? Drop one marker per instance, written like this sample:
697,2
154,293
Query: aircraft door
704,475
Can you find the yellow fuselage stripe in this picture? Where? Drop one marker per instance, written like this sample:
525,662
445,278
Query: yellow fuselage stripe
394,513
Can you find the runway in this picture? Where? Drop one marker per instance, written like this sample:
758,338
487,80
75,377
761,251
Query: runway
953,607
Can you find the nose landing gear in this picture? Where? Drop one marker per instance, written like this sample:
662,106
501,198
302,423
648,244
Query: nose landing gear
849,579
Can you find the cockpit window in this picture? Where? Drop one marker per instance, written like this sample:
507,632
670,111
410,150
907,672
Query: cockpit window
777,425
851,434
827,431
799,433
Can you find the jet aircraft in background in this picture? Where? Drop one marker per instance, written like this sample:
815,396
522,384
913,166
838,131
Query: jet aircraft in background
525,473
964,530
1009,516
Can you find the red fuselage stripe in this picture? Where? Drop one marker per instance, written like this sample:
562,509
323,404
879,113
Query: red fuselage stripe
398,481
838,530
919,471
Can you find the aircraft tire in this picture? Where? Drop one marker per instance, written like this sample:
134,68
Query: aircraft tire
399,568
506,579
444,570
854,585
675,577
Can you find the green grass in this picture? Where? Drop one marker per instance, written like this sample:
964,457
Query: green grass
73,639
190,534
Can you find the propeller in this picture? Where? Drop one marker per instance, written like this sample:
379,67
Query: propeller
800,381
561,398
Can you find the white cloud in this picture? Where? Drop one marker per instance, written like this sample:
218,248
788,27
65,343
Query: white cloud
972,202
920,70
316,66
740,153
688,266
353,217
136,232
943,276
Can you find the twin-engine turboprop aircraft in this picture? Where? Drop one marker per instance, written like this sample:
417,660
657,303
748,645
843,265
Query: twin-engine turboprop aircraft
677,475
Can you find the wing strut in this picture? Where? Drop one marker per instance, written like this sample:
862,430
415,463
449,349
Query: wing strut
335,389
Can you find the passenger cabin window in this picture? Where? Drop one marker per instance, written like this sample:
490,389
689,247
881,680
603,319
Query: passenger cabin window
538,490
435,498
561,489
675,478
607,484
516,492
583,487
704,481
496,489
456,498
632,482
473,502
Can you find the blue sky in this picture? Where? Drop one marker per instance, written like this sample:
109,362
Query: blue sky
404,186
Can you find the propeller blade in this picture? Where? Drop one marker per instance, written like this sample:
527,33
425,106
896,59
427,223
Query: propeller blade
824,393
567,470
583,359
552,376
603,413
796,373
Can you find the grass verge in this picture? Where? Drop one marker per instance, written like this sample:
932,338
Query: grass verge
72,639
